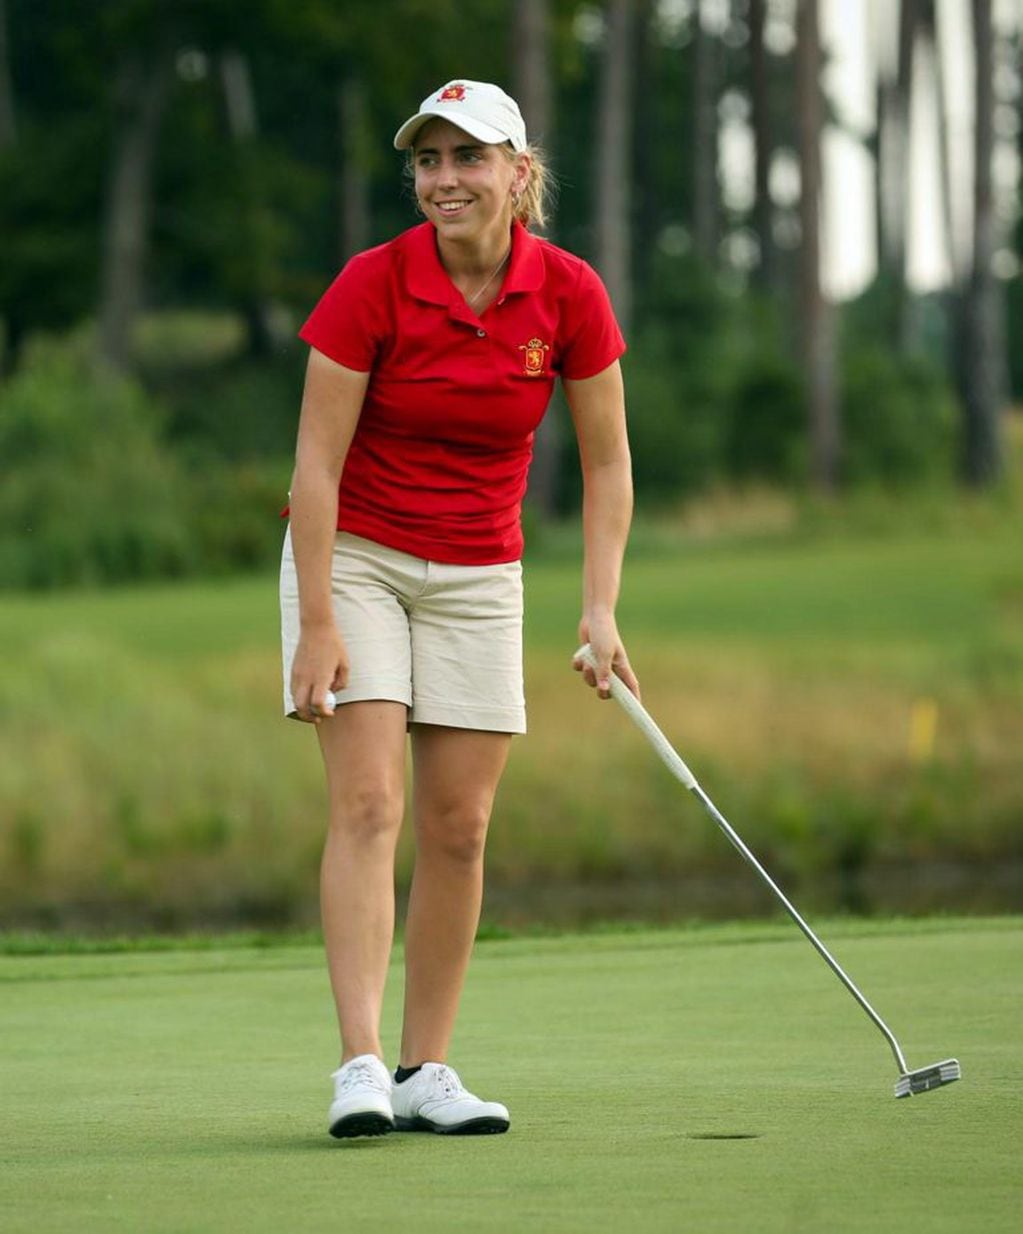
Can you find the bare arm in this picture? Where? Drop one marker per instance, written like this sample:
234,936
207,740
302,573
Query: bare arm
597,405
331,405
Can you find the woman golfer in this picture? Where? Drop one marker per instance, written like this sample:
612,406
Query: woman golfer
432,362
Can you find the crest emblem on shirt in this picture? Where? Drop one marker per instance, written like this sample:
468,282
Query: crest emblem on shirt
455,93
534,355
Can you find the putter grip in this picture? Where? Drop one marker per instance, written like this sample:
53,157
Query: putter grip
630,704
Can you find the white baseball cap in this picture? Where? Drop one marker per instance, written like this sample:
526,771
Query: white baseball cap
482,110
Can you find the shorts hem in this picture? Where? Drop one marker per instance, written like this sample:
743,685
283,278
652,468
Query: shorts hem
361,693
479,719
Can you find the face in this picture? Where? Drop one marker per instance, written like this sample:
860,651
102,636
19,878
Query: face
464,186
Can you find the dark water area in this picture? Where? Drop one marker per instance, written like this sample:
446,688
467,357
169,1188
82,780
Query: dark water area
905,890
921,890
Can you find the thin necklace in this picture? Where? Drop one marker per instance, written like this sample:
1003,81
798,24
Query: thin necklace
493,275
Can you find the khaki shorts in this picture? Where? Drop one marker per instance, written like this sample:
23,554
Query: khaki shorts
444,640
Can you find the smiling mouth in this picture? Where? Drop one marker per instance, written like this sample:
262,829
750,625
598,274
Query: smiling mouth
451,207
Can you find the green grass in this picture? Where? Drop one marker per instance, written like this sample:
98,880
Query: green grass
147,774
932,591
187,1090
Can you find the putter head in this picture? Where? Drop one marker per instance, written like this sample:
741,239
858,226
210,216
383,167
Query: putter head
925,1078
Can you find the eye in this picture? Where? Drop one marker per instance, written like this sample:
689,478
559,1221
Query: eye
426,160
471,156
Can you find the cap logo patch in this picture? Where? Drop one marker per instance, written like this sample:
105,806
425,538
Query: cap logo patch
452,94
534,356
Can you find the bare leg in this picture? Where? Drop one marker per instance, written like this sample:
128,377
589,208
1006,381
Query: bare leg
455,778
363,748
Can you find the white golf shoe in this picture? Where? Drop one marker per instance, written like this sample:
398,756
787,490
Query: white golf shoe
434,1100
362,1099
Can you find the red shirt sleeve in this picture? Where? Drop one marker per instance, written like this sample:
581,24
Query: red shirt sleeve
350,321
593,339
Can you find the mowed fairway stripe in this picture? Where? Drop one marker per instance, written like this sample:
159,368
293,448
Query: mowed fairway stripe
714,1079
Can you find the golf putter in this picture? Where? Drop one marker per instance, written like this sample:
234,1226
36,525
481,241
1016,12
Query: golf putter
909,1083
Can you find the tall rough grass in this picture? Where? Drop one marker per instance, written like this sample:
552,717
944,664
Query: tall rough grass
851,707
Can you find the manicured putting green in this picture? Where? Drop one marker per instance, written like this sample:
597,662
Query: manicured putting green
706,1079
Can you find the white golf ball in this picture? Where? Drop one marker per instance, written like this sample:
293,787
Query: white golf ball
331,699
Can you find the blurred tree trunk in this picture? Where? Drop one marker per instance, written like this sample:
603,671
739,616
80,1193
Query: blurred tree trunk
645,137
705,141
929,35
614,158
8,126
10,331
531,68
354,176
980,333
243,125
532,88
882,110
765,276
817,317
901,99
894,94
142,88
909,23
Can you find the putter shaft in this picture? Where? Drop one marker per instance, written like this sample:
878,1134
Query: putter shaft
909,1082
790,908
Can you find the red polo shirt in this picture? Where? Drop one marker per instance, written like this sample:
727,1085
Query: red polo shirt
440,456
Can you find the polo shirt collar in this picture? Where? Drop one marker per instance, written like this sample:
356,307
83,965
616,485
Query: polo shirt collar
426,278
526,270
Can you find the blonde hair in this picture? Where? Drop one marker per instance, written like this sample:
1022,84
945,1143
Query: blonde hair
531,205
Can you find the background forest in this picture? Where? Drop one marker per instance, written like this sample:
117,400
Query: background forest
180,179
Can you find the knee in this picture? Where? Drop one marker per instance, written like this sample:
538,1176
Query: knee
367,815
457,834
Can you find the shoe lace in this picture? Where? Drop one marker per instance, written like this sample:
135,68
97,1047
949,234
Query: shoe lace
446,1078
361,1073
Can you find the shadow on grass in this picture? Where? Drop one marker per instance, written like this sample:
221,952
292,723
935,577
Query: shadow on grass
314,1142
324,1143
723,1135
